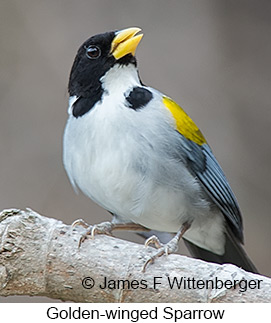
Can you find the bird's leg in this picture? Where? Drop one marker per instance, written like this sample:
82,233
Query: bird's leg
105,228
167,248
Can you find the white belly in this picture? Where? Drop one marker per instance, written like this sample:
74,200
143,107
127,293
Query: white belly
119,175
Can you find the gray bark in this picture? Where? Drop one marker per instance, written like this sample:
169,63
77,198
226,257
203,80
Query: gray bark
40,256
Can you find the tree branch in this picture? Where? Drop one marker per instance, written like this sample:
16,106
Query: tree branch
40,256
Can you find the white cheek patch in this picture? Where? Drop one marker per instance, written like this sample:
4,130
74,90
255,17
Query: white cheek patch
72,100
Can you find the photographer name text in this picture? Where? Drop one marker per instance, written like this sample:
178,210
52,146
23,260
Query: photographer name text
182,283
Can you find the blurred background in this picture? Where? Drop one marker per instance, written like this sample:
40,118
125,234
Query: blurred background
212,57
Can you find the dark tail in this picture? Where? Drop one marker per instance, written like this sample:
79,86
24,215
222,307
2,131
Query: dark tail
234,254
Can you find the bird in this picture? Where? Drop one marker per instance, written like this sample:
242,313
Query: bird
135,152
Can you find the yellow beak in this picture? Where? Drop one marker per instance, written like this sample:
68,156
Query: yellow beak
125,42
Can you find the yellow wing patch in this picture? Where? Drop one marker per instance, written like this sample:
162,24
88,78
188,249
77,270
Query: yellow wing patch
185,125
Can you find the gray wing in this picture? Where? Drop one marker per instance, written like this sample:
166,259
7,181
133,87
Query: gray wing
203,164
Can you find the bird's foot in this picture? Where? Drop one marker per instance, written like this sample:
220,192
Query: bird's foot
91,230
104,228
163,249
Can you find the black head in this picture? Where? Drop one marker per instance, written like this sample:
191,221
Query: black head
97,55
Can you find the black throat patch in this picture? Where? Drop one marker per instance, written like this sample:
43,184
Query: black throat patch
138,98
83,105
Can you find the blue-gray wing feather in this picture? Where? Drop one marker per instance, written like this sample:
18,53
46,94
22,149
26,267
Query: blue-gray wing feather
203,164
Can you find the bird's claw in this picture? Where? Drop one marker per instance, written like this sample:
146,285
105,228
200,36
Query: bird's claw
79,222
92,230
163,249
102,228
155,241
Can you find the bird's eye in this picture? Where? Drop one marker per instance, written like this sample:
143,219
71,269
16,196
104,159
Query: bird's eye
93,52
